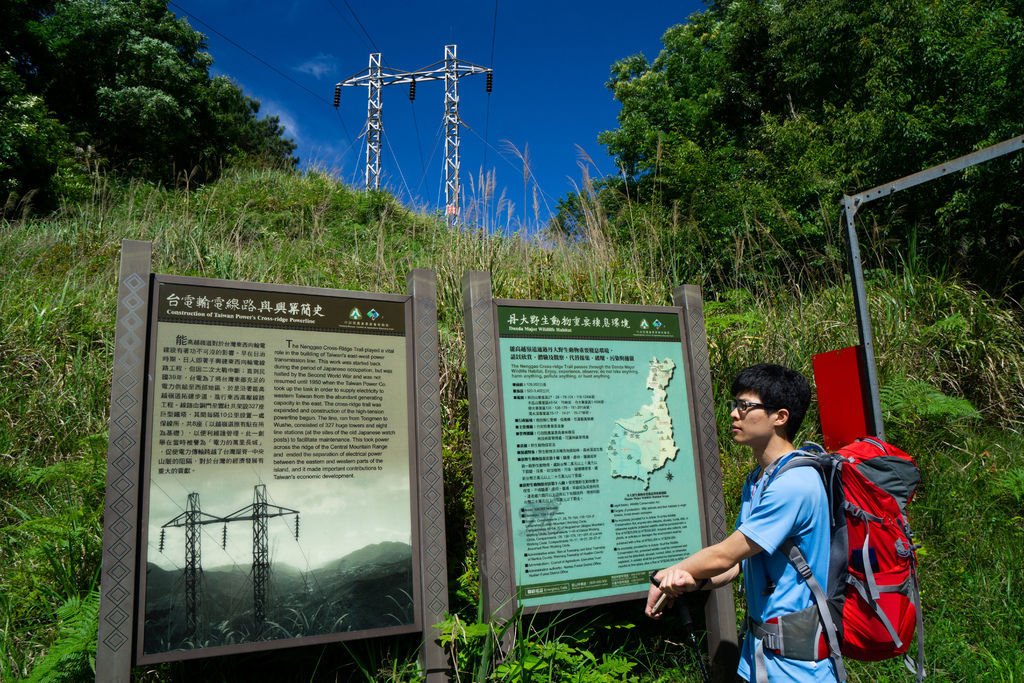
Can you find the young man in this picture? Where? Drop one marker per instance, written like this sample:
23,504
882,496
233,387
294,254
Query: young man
769,405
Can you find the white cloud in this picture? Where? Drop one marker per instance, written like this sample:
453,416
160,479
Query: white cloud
328,157
318,67
272,108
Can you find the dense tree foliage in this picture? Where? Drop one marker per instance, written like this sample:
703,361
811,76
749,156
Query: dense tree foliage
758,115
126,84
33,144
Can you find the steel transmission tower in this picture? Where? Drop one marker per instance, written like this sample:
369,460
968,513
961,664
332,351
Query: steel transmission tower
453,71
373,80
374,129
260,554
450,70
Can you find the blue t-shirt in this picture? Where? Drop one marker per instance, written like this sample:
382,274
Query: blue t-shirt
793,506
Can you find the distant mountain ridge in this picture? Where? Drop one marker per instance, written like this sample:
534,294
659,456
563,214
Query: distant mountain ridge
369,588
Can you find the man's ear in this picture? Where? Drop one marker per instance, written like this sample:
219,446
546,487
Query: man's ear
781,417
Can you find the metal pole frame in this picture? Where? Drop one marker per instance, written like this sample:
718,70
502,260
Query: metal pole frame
853,203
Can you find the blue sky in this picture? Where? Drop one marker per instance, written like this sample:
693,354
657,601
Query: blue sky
550,60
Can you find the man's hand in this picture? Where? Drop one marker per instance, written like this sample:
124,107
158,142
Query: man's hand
676,581
654,597
673,582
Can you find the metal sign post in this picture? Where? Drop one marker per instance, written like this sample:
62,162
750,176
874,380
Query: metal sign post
853,203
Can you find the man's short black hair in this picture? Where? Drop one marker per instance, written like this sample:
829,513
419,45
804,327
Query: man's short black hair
777,387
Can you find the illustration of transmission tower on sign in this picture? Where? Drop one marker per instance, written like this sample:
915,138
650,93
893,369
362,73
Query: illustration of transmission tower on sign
193,519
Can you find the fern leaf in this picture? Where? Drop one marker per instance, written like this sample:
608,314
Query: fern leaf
71,656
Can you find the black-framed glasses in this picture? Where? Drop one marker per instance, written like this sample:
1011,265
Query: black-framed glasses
744,407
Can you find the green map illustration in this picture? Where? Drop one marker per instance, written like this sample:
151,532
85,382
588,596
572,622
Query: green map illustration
643,443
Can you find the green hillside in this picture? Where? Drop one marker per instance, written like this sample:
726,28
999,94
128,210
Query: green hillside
733,147
951,361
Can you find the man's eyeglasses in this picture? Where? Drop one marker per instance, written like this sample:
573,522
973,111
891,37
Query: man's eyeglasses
744,407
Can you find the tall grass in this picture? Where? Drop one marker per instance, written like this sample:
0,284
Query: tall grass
951,360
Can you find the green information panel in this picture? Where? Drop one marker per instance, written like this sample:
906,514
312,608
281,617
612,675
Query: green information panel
277,480
600,448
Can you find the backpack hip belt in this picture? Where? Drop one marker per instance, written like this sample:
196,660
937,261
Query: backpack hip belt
794,636
799,635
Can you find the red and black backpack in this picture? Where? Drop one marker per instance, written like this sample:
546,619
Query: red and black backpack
873,605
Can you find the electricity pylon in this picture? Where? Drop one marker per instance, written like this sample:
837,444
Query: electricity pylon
373,79
450,70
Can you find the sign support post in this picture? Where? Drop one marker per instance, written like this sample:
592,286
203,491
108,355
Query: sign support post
489,483
422,286
114,648
720,609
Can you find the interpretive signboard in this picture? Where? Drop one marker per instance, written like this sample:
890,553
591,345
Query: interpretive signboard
286,413
283,449
594,447
602,478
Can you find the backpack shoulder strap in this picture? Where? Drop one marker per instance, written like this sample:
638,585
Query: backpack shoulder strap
798,459
874,442
917,668
794,460
812,455
799,562
809,453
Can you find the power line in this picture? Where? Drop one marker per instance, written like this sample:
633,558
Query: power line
355,168
544,195
399,165
250,53
437,140
494,32
302,552
487,120
321,98
348,135
419,142
365,32
343,17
